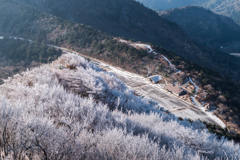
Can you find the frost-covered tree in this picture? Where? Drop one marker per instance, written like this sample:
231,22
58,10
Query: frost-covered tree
71,109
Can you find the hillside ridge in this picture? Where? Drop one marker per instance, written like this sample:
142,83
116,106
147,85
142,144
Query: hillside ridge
204,26
228,8
93,113
121,18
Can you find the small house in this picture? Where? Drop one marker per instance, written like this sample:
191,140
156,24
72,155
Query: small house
175,89
155,79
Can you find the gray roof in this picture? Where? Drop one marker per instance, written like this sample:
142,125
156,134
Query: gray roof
155,78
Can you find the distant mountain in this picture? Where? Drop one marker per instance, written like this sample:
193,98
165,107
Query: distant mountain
204,26
168,4
122,18
230,8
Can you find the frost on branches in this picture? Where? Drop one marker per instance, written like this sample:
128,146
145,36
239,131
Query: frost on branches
71,109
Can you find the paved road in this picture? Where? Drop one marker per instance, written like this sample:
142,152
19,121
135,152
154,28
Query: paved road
169,102
143,87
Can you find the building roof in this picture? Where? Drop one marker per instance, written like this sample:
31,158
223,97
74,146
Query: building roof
174,88
155,78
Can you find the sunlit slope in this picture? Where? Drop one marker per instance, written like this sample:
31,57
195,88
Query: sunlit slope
72,109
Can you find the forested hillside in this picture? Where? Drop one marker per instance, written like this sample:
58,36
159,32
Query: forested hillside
230,8
82,112
16,55
122,18
41,27
204,26
35,24
71,109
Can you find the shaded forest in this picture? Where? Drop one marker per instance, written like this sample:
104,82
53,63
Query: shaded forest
17,55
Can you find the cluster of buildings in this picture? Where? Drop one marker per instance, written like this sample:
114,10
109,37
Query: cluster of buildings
178,90
175,89
171,87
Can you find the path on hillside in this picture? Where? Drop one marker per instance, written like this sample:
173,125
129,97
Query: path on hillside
141,86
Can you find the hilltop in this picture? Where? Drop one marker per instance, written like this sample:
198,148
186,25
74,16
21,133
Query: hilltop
81,111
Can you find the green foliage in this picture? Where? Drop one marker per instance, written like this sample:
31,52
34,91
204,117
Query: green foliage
16,55
220,132
100,43
22,50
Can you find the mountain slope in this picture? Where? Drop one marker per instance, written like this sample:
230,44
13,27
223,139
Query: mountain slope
230,8
17,55
204,26
25,21
36,25
122,18
138,23
82,112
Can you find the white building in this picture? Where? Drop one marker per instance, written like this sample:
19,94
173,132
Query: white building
155,79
